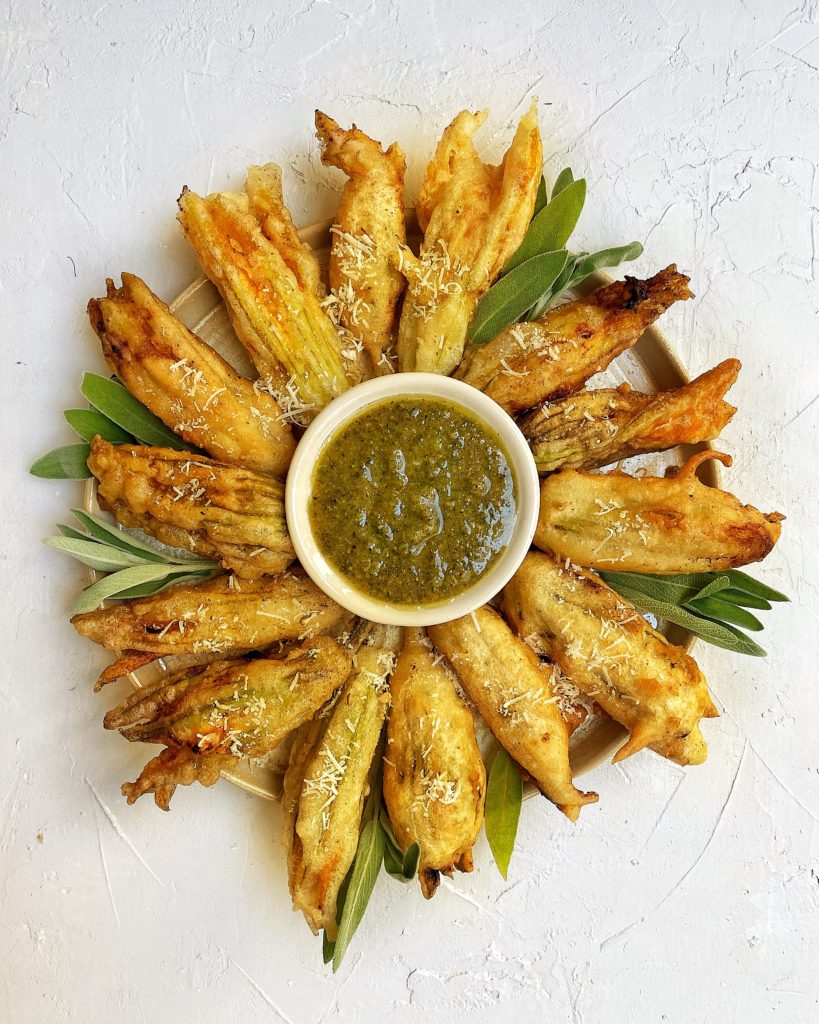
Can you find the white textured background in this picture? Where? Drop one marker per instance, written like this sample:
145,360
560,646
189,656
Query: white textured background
680,897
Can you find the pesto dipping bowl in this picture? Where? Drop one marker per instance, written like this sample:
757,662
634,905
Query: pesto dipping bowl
336,416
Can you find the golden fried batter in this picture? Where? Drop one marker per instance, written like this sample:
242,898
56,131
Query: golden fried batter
369,230
595,428
434,778
191,388
208,718
504,679
217,615
612,655
326,783
474,217
269,279
662,525
235,515
554,356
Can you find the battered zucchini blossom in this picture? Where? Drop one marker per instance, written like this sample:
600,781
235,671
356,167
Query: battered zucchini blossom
213,618
434,778
664,525
209,718
517,697
612,655
224,512
327,781
554,356
248,246
369,228
184,382
595,428
474,216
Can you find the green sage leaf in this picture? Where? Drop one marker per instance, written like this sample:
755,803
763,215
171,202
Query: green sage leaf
542,197
103,557
716,633
550,229
366,866
393,865
504,796
69,531
67,463
563,180
717,584
89,423
722,611
120,582
328,948
671,589
393,856
117,403
109,533
146,589
744,600
748,585
510,297
411,860
550,298
605,258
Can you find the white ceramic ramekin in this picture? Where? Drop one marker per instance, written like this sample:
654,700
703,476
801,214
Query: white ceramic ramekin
335,415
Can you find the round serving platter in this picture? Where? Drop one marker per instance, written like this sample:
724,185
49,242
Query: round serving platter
649,366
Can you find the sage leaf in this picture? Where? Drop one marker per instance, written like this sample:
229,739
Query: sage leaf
714,587
411,860
671,589
563,179
716,633
551,228
69,531
542,197
744,600
748,585
605,258
108,533
393,865
328,948
146,589
393,856
510,297
366,866
89,423
561,284
722,611
504,796
117,403
67,463
126,579
98,556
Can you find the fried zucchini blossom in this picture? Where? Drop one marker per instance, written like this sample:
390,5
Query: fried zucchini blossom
474,216
209,718
434,777
612,655
224,512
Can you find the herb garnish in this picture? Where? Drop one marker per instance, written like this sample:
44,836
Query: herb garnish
542,268
504,796
116,416
711,605
136,568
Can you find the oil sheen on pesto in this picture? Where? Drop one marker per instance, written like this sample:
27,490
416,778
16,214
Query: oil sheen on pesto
413,500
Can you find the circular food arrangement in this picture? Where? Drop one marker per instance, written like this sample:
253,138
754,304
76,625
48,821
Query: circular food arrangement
401,538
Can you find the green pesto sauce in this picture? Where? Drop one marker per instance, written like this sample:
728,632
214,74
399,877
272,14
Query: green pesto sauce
413,500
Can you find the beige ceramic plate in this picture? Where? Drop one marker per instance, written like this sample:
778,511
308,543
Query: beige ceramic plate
649,366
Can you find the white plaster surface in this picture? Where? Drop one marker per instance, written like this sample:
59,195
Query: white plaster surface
680,897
